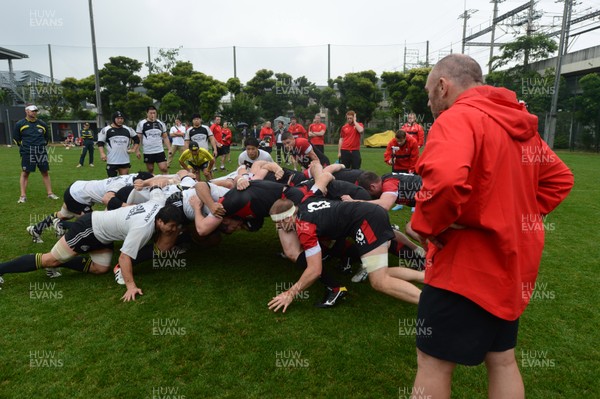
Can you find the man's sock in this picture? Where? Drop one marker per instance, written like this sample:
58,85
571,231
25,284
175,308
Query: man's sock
79,264
22,264
44,224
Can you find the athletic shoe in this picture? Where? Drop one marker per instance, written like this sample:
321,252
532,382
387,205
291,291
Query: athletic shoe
53,196
397,208
118,275
78,165
35,236
331,297
22,200
222,167
360,276
345,266
53,272
91,165
59,230
214,169
1,280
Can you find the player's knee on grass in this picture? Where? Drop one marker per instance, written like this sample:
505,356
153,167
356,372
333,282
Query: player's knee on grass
101,262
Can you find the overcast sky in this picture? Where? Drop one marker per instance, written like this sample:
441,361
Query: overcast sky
285,36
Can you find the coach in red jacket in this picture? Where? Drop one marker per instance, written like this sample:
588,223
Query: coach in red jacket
402,153
485,171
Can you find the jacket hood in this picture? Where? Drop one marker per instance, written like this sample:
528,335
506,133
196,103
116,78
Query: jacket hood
502,106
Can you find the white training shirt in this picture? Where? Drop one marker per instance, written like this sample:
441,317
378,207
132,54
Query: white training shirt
200,135
134,225
244,159
152,135
89,192
176,139
116,143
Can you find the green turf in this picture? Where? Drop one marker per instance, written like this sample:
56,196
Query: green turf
204,330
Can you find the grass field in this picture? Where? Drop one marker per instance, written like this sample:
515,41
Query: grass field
203,330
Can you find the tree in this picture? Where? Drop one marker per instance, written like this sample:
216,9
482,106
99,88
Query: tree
243,108
266,88
406,93
118,78
184,91
165,61
588,105
234,86
77,93
525,49
358,92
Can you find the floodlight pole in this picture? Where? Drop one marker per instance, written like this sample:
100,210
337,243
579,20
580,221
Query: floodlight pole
550,128
99,117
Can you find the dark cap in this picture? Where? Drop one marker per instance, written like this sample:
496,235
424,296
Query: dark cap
194,146
194,116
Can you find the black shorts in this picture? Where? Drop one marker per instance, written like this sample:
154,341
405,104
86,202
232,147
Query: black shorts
80,237
220,151
373,230
453,328
198,168
113,170
351,159
73,205
226,149
155,158
123,193
34,157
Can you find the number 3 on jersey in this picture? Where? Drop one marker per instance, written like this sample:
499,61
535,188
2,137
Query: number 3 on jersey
315,206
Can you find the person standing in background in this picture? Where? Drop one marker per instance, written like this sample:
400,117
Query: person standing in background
349,143
177,133
414,129
316,134
88,145
31,135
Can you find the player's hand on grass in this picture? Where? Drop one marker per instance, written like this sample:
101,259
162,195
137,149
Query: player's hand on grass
282,300
131,293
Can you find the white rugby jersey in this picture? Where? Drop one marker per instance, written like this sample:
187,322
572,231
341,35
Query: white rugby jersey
152,135
116,140
90,192
244,159
200,135
134,225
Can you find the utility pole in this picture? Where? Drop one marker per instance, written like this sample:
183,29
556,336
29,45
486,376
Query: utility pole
496,2
465,16
100,117
328,63
149,61
550,128
50,60
427,55
529,31
234,63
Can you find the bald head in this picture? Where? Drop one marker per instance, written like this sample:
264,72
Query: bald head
461,69
451,76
